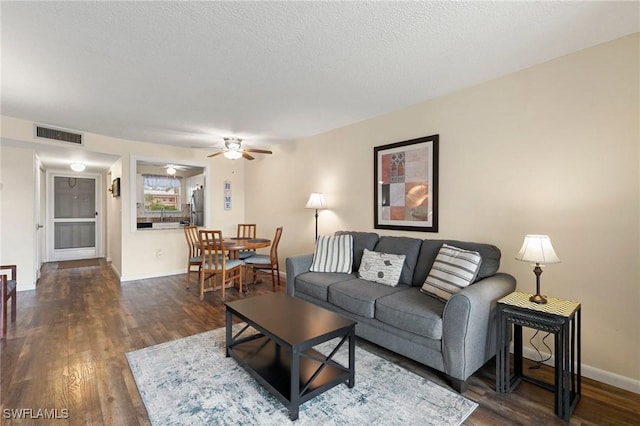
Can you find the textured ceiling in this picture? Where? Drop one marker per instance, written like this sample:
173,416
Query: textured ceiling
191,73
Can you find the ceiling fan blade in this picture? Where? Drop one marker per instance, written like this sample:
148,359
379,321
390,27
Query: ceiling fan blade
247,156
215,153
258,151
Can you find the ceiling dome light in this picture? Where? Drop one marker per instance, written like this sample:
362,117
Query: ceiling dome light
171,170
233,155
78,167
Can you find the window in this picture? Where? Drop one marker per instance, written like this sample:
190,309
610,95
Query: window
162,193
157,196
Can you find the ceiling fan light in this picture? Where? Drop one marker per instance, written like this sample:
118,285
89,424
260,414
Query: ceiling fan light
233,155
78,167
171,170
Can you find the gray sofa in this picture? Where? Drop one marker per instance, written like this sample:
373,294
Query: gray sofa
456,337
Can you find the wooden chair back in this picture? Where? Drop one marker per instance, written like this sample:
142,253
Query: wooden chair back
8,291
215,263
267,263
246,230
211,250
274,246
193,242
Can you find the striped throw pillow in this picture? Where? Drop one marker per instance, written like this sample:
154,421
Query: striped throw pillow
453,270
333,254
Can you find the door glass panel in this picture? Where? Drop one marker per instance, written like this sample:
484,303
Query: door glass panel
74,215
75,198
74,234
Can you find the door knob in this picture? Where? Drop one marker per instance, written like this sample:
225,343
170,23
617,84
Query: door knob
38,226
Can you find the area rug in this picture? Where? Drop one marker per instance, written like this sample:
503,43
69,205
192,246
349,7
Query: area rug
67,264
189,381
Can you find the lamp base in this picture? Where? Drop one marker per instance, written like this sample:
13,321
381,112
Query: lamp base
538,298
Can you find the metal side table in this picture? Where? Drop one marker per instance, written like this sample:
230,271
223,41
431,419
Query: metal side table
560,317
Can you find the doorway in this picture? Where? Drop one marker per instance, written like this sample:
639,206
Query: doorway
74,217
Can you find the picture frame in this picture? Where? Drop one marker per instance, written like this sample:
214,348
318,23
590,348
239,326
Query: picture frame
227,195
406,185
115,187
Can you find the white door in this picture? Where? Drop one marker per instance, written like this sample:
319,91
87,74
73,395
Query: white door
74,219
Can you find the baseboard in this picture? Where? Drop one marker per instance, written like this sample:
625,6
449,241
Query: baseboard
594,373
31,286
159,275
115,270
151,275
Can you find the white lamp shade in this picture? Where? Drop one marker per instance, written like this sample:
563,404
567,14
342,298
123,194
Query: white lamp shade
233,155
316,201
537,249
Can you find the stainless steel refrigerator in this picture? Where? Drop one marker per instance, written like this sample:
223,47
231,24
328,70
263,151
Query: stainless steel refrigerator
197,207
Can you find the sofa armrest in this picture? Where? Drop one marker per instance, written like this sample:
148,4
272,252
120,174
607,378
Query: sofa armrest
469,325
296,265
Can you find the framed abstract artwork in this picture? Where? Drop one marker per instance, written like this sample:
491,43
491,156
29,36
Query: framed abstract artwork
406,185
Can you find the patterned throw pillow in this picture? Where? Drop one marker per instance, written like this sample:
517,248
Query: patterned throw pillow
333,254
453,270
382,268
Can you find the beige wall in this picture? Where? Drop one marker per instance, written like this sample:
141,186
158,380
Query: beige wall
552,149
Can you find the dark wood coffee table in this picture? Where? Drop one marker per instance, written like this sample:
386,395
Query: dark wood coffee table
280,355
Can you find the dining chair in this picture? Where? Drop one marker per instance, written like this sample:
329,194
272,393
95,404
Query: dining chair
246,230
263,262
8,291
216,263
193,244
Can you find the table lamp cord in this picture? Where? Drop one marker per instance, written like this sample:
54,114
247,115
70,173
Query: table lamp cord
542,359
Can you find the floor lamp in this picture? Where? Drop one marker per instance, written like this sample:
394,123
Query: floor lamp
316,201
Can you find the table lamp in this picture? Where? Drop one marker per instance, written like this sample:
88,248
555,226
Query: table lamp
537,249
316,201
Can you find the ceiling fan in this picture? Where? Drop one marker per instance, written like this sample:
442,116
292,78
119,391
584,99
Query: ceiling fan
233,150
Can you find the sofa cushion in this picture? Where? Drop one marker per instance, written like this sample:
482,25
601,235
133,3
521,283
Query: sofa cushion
453,270
381,268
412,311
429,250
359,296
361,241
315,284
410,247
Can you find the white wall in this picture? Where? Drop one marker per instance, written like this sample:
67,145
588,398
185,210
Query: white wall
137,258
552,149
17,221
114,220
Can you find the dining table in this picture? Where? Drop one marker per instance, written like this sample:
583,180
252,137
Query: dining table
235,244
240,243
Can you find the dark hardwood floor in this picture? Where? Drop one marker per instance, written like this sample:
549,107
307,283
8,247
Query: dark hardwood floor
67,352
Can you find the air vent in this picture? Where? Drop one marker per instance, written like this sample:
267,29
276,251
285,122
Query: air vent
58,135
